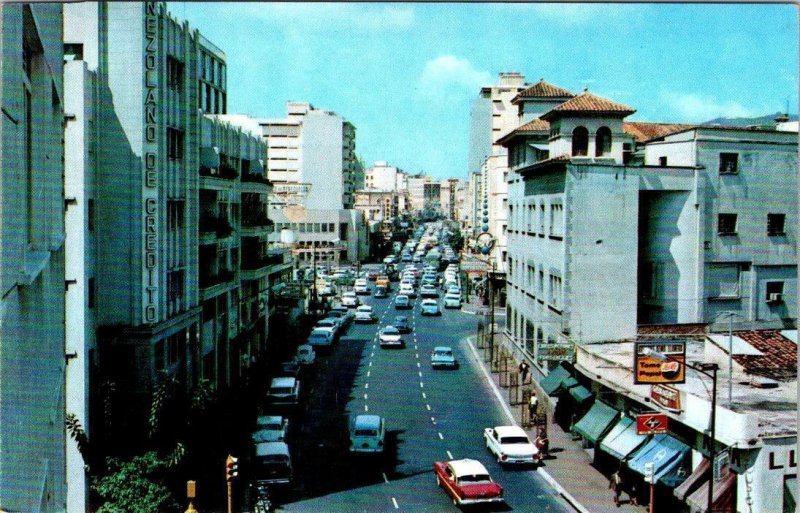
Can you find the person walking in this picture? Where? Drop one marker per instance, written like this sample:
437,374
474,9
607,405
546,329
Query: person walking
543,444
533,407
524,368
615,485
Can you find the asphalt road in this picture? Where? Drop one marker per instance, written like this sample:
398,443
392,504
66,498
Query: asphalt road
430,415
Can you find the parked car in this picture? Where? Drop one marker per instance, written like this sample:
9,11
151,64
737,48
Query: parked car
330,324
430,307
510,444
320,338
305,355
452,300
365,314
428,290
284,392
402,324
290,369
272,463
270,428
401,302
442,357
467,482
367,433
342,313
350,299
325,290
390,337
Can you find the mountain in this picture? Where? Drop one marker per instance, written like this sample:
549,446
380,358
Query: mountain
768,120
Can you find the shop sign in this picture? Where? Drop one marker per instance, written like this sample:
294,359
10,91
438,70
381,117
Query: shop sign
650,370
651,424
556,352
666,396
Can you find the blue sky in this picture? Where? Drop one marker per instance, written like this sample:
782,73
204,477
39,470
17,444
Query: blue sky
405,74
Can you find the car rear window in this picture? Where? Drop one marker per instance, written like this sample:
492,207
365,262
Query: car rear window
366,432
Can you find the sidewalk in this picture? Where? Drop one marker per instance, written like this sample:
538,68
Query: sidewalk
569,468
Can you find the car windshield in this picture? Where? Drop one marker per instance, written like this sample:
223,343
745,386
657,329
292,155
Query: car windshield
273,427
280,390
390,331
475,479
366,432
317,336
514,440
443,353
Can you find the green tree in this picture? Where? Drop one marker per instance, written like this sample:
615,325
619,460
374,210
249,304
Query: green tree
134,486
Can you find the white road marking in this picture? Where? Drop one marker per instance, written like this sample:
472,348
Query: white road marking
372,355
416,355
366,408
418,365
385,479
424,396
420,374
421,384
370,364
394,501
365,397
449,455
428,406
366,385
433,420
441,436
368,372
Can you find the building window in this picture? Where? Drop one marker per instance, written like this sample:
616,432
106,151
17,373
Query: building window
90,293
557,220
175,143
776,224
580,142
774,291
174,73
728,163
603,141
662,161
726,224
90,215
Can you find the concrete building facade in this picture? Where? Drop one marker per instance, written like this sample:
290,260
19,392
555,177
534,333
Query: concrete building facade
32,260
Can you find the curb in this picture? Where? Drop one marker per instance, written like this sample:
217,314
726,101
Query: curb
572,501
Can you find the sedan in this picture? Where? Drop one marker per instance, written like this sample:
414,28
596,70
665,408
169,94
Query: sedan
270,428
510,444
442,357
401,302
350,300
428,290
467,482
452,300
364,313
430,307
390,337
402,325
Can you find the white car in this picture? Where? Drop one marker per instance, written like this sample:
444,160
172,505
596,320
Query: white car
364,313
452,300
407,289
322,338
428,290
510,444
329,324
429,307
367,434
305,355
270,428
361,287
390,337
350,300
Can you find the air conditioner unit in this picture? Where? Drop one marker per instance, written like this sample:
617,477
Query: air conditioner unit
775,297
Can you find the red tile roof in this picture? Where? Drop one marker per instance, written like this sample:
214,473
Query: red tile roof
644,132
779,361
532,127
671,329
587,103
542,89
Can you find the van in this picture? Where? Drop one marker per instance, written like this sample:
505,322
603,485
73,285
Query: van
284,392
273,463
367,434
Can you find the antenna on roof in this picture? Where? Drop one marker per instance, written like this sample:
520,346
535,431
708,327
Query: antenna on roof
585,88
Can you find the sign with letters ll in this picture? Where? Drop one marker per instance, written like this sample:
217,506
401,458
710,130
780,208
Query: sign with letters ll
668,367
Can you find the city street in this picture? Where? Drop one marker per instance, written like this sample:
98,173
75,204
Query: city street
430,415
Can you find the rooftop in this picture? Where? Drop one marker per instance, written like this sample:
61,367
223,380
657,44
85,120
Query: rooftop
587,103
643,131
536,126
542,89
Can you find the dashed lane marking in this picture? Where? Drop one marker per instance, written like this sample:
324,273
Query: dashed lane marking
385,478
366,385
433,419
418,365
368,372
449,455
365,397
424,396
421,384
441,436
366,408
394,501
428,406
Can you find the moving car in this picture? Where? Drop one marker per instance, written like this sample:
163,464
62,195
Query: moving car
360,287
350,300
467,482
305,355
272,463
402,324
284,391
364,313
430,307
380,292
452,300
320,338
428,290
510,444
390,337
401,302
442,357
407,289
367,433
270,428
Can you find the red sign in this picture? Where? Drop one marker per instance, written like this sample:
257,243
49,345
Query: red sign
651,423
666,396
659,362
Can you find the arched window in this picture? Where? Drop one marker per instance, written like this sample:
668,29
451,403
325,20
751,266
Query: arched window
580,142
603,141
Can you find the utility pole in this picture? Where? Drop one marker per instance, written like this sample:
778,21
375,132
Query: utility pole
491,315
314,275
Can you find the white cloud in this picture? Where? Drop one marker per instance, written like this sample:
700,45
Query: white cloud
698,108
448,73
570,14
334,17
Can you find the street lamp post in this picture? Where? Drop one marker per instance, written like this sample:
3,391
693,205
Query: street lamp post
491,314
730,354
702,368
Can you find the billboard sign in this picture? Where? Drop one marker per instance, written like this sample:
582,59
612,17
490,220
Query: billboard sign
649,369
651,424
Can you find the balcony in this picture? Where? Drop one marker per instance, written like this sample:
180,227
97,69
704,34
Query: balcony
219,178
255,222
210,223
255,183
255,266
228,172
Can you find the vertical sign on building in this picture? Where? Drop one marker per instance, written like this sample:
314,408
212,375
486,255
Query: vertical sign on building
150,149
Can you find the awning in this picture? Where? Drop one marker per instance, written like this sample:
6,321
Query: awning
580,393
623,439
691,484
540,147
596,421
789,494
666,454
723,496
552,382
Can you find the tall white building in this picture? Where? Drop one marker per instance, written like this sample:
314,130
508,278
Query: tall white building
384,177
32,254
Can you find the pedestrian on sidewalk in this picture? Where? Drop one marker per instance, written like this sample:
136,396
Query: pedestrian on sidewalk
543,444
615,484
533,407
523,371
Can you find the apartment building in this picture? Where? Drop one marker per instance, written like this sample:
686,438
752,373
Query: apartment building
32,254
384,177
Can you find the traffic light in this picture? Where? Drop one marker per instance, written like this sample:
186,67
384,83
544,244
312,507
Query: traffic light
231,468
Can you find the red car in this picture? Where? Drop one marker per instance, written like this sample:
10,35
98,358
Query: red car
467,482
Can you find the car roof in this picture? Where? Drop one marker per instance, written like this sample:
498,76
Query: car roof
283,382
467,467
364,308
305,347
367,421
320,331
429,302
269,419
389,328
401,318
443,348
510,431
270,448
